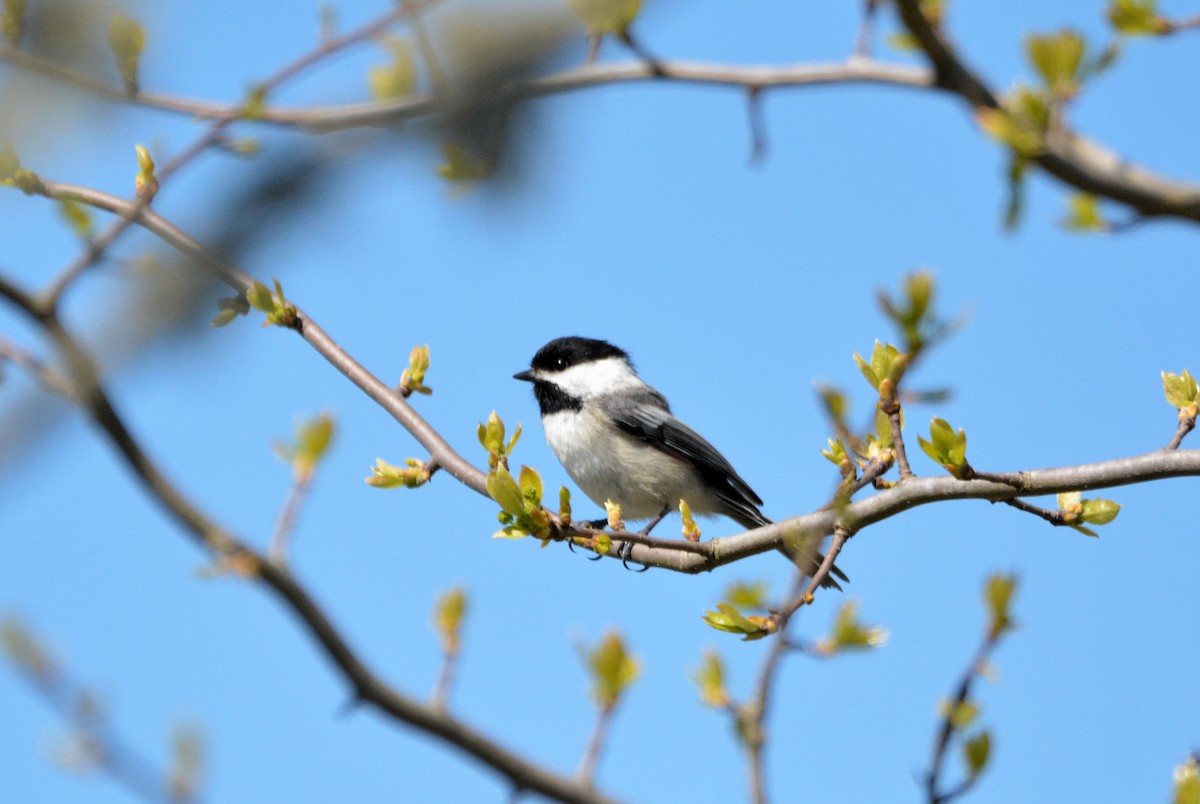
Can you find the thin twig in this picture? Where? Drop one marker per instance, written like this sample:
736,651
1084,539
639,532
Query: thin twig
758,126
947,728
287,517
1186,425
893,414
441,691
595,745
1052,515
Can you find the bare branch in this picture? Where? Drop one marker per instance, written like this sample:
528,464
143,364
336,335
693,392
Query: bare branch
287,518
893,414
1186,425
595,744
1053,516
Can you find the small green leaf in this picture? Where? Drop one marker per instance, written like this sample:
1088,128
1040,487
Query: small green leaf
613,669
747,595
448,614
564,505
397,79
710,679
1084,214
77,217
1021,123
691,531
1137,18
127,40
260,298
976,751
531,486
386,476
1057,58
849,633
606,16
255,104
1099,512
885,362
867,370
883,428
962,714
230,308
946,447
312,440
413,378
729,619
998,594
461,166
1180,389
836,454
834,401
504,490
492,436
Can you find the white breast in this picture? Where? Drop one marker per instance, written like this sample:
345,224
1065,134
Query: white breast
608,464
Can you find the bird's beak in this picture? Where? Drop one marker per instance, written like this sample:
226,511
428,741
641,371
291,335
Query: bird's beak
527,376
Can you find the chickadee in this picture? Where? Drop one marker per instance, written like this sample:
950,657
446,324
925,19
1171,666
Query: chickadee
617,439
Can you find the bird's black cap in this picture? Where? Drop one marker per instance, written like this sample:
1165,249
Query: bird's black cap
562,353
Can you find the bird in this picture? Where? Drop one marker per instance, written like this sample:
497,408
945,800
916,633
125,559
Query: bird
618,440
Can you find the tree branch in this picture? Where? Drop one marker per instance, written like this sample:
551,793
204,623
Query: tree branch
720,551
367,687
1067,156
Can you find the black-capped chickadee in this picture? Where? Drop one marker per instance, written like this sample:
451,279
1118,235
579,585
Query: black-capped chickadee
617,439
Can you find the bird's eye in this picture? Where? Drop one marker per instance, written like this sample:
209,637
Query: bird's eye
560,363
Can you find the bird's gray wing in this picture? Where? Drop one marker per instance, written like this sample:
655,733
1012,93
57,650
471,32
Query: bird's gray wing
646,415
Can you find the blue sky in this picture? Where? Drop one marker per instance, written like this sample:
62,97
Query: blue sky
736,287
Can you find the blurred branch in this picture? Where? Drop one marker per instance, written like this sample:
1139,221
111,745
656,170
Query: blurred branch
1069,157
367,687
353,115
222,117
286,522
92,742
959,713
595,744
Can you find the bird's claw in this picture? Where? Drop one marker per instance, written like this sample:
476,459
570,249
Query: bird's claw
624,552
